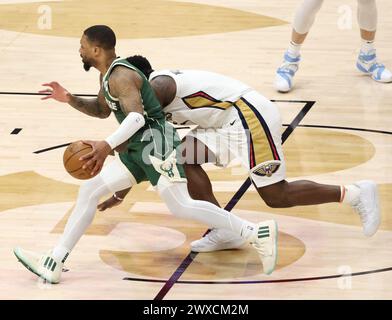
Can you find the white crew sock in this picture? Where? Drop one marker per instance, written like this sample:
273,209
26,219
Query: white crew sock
367,46
294,49
350,194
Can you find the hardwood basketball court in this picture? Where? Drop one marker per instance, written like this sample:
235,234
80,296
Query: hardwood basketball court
131,251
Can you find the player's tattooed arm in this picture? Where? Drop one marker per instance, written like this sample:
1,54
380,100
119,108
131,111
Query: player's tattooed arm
125,84
96,107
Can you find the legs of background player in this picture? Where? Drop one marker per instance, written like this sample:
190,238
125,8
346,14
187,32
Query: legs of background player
303,21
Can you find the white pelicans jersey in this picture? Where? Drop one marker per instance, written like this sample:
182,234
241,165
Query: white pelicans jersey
235,121
203,98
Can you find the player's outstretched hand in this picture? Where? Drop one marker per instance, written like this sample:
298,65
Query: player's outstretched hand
55,91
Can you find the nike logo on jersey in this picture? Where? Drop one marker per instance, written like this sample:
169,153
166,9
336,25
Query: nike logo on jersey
231,123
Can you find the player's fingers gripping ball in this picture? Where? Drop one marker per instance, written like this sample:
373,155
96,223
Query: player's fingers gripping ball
71,161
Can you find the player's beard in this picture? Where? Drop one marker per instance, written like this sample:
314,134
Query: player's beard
86,66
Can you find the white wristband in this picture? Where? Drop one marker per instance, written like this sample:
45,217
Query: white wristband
130,125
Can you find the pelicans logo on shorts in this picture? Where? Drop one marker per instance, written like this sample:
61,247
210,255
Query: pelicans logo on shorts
266,169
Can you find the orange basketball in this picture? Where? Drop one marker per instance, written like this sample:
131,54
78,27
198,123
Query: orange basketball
72,163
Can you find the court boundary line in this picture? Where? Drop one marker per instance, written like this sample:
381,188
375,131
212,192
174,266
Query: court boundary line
3,93
355,274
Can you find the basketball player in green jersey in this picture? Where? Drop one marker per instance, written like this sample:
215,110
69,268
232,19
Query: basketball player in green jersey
150,155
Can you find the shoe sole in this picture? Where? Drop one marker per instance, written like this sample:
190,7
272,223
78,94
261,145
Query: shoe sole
276,247
31,269
239,247
375,194
20,259
282,91
370,74
376,197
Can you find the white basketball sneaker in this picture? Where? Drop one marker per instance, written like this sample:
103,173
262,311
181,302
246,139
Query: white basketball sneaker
218,239
44,266
285,73
367,64
367,206
265,242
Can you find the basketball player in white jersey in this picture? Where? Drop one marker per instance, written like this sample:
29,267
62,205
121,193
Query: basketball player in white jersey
242,124
367,62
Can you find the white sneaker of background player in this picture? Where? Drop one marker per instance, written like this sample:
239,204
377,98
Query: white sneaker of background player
367,63
368,207
218,239
44,266
285,73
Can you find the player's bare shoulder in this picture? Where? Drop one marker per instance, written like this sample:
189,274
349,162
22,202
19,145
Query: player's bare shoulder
165,89
123,78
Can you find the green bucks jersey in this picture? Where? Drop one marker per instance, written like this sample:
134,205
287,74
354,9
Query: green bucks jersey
152,108
152,151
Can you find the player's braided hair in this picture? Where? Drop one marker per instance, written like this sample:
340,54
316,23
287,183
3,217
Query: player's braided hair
141,63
